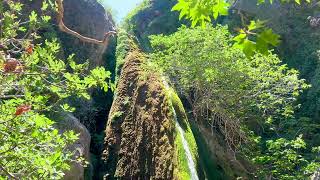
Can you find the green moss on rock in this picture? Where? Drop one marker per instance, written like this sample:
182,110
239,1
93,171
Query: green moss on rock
125,44
182,169
140,143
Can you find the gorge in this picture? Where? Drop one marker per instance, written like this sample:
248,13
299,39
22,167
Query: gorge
161,96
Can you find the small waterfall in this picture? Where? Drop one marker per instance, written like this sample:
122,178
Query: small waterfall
187,151
191,165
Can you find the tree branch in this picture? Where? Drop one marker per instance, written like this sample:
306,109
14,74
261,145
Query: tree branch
11,96
65,29
7,173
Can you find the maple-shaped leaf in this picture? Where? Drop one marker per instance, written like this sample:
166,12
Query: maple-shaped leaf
269,37
220,8
240,38
199,14
249,47
262,46
182,6
242,42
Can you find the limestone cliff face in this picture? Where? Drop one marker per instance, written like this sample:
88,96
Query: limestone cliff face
87,17
90,19
265,10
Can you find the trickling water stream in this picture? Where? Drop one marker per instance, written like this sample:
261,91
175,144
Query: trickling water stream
192,167
191,164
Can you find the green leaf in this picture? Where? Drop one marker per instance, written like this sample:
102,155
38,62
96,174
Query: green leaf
67,108
255,25
269,37
220,8
33,17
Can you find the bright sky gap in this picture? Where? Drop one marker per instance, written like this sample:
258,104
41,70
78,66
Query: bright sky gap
121,8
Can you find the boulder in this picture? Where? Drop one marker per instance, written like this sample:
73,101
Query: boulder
81,148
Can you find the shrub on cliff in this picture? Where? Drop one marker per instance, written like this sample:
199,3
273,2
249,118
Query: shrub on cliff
236,93
33,82
203,62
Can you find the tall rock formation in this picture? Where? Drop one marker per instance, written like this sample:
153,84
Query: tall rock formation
142,138
90,19
139,135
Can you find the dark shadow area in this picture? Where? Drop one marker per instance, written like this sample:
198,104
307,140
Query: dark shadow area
208,166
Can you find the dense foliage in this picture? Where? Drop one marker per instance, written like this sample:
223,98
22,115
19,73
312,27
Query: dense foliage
253,37
237,94
199,11
35,81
